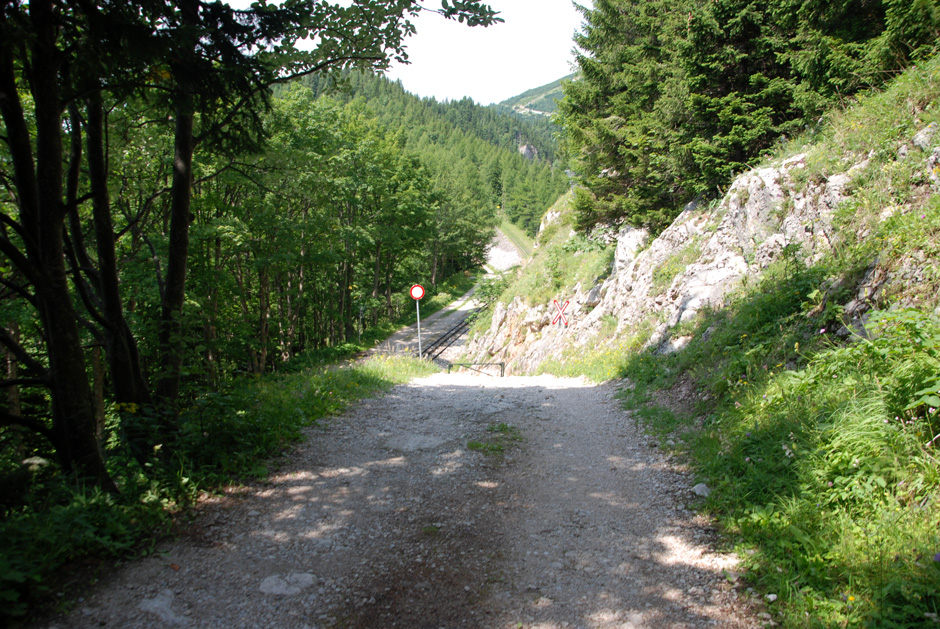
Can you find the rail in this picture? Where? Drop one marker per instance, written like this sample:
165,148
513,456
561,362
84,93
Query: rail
436,348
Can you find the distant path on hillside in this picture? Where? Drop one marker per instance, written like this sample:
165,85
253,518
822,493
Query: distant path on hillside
406,339
503,254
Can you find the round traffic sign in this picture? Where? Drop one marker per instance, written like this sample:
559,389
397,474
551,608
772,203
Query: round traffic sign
416,292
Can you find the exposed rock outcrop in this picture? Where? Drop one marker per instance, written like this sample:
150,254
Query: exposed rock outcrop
655,285
528,151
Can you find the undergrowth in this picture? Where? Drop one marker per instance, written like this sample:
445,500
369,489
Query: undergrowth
561,261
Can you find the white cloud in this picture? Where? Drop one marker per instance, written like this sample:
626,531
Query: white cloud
450,60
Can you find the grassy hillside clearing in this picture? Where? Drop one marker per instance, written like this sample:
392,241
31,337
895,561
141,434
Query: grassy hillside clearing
518,238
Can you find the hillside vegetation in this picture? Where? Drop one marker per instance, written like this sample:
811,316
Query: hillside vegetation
537,101
806,395
472,150
676,97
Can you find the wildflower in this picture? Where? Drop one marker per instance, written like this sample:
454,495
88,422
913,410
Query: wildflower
936,557
822,330
829,483
747,459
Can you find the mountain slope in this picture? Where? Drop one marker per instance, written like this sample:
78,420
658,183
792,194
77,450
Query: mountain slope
539,100
477,148
785,338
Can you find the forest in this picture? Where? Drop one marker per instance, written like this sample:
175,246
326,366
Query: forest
474,145
674,98
190,200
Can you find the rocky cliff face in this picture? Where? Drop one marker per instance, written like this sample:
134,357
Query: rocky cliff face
658,284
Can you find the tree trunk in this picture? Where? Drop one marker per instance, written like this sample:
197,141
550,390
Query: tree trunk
13,393
127,377
171,330
388,287
42,212
264,308
434,263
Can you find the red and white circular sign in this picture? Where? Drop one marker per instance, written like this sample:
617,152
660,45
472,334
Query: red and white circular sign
416,292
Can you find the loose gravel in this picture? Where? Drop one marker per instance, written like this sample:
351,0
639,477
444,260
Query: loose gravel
456,500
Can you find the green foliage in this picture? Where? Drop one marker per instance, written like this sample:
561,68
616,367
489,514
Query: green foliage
471,149
675,99
822,469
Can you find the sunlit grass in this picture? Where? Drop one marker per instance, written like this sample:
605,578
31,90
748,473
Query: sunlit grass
519,239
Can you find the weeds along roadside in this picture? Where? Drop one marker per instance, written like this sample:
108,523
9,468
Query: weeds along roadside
227,436
821,450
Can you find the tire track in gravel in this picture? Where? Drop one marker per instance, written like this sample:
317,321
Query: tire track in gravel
386,519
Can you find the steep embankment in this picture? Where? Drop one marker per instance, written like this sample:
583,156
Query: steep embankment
795,210
785,338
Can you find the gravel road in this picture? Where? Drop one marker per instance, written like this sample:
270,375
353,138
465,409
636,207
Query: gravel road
404,512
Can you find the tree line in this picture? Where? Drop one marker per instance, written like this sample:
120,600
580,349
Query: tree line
474,148
165,223
674,98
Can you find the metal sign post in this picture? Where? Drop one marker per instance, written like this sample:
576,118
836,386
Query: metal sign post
417,292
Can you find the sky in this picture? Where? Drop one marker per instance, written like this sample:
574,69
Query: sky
532,47
450,60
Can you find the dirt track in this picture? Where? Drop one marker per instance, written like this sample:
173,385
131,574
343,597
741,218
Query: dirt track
388,518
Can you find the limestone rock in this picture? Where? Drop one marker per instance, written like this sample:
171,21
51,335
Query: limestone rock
161,606
924,138
695,263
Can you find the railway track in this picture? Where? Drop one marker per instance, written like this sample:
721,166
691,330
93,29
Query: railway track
448,338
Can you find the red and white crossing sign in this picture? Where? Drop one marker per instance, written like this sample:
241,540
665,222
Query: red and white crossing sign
417,292
561,313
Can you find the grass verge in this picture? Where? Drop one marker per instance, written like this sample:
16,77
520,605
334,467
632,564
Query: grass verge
518,238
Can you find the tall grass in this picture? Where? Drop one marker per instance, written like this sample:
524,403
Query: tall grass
832,473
